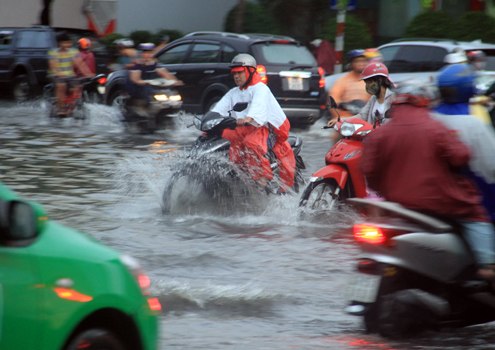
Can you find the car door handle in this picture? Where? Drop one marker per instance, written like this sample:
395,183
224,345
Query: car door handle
209,71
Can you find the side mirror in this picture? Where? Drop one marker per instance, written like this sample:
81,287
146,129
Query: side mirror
240,106
331,102
19,221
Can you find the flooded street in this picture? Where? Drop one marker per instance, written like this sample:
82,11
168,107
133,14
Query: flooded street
251,279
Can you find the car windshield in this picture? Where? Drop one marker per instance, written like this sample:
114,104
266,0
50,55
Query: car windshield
282,53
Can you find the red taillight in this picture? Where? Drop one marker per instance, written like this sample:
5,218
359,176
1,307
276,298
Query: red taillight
321,71
262,72
368,234
102,80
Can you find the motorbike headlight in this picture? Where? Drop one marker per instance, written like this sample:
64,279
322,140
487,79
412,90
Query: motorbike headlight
348,129
161,97
175,98
210,124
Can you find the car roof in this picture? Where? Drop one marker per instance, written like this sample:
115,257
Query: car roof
249,38
445,43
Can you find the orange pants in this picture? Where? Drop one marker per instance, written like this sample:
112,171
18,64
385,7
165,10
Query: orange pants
285,155
248,148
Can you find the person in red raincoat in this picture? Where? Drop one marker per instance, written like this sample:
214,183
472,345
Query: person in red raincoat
249,141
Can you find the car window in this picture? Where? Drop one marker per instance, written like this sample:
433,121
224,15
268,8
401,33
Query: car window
31,39
417,58
388,53
228,53
5,39
278,53
176,54
204,53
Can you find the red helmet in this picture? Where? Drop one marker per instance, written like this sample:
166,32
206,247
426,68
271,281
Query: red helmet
84,43
376,69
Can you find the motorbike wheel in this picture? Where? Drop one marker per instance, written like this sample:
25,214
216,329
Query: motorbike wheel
80,111
321,195
48,102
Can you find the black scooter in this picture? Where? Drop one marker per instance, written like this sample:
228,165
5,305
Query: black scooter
207,162
415,272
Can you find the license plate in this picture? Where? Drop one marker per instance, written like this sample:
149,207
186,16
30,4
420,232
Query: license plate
363,288
295,83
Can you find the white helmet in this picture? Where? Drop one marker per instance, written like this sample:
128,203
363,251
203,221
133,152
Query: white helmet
124,42
243,60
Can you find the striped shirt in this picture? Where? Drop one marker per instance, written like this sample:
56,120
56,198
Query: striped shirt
64,62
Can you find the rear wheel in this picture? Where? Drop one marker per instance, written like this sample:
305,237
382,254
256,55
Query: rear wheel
21,88
321,195
96,339
118,100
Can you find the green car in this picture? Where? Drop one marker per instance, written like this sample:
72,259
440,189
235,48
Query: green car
60,289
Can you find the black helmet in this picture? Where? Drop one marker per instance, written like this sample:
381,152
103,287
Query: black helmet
63,36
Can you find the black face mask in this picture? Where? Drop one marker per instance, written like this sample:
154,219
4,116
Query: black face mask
373,88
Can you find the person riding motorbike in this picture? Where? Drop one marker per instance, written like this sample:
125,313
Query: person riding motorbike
456,87
378,85
126,54
87,56
350,86
63,63
249,141
416,161
144,69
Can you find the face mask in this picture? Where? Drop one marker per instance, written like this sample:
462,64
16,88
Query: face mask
373,88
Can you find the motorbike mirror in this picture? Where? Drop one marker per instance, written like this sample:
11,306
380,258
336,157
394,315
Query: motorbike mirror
240,106
331,102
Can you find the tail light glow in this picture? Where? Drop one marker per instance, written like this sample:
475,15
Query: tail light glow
261,70
368,234
321,83
102,80
154,304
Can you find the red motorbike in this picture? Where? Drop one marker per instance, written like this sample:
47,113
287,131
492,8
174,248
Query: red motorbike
341,177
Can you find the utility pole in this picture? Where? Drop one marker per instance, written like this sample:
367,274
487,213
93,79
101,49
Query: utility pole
339,35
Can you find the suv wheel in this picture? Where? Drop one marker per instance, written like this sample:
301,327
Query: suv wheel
211,102
21,88
118,99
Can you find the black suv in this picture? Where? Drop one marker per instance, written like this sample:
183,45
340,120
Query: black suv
24,57
201,60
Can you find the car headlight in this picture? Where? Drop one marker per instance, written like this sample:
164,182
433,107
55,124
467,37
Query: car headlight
142,280
161,97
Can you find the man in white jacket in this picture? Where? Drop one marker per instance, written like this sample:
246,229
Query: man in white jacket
249,141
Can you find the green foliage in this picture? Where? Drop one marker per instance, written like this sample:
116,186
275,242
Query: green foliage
256,20
431,24
475,25
436,24
356,36
109,39
141,36
173,34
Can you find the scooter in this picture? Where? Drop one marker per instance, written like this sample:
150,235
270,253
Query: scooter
415,272
207,161
162,103
79,92
341,177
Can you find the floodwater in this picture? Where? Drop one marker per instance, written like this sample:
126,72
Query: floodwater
256,278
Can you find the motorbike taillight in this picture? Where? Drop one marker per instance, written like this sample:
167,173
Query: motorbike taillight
102,80
366,233
321,83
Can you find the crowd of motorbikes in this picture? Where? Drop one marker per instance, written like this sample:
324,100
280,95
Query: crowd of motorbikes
414,272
